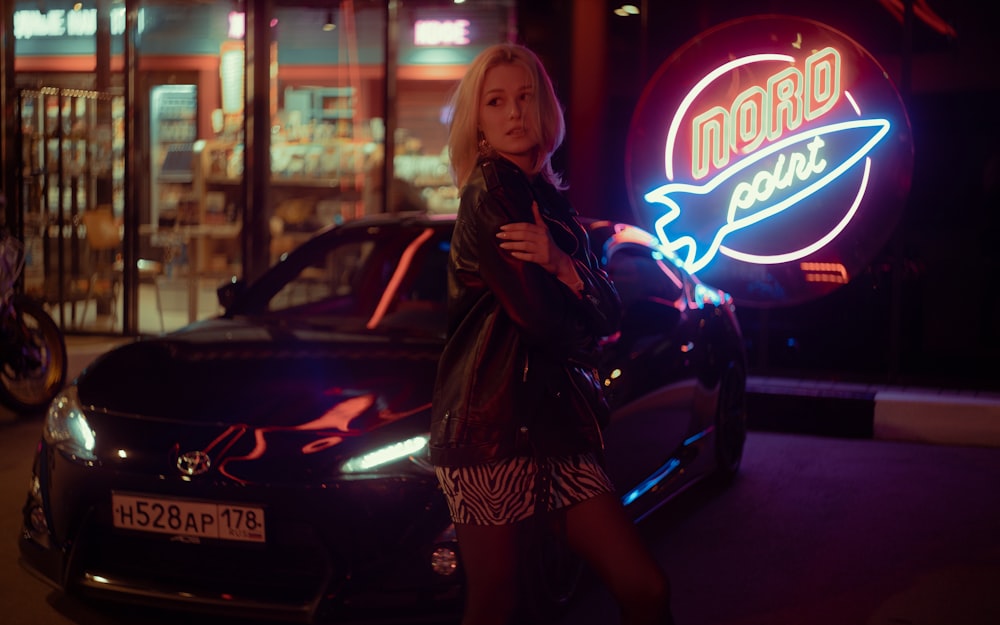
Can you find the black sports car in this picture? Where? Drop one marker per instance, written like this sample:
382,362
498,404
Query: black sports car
272,462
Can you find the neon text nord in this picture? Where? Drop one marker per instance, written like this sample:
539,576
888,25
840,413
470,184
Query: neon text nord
790,98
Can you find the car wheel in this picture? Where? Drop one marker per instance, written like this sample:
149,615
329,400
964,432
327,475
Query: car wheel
550,577
731,422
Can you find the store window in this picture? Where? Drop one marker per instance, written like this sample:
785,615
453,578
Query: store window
340,97
69,185
188,60
327,125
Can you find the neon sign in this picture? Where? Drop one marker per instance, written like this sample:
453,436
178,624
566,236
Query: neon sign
784,148
441,33
31,24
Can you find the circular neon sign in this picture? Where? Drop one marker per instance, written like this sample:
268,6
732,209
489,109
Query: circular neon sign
772,156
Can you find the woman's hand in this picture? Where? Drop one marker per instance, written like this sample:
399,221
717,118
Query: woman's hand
532,242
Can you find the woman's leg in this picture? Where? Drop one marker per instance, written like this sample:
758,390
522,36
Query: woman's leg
489,556
600,531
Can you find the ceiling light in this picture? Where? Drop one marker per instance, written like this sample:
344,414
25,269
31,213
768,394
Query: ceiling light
328,25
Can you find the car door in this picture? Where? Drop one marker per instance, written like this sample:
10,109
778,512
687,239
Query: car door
651,382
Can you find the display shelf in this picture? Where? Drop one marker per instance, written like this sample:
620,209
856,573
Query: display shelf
322,104
338,179
72,154
304,183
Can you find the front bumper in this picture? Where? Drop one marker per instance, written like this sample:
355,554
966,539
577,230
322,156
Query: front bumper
319,564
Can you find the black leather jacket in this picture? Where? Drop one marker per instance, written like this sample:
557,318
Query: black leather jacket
519,339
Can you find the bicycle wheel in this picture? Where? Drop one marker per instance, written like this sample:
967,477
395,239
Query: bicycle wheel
32,381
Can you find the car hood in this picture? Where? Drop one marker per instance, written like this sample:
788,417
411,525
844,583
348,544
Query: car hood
255,397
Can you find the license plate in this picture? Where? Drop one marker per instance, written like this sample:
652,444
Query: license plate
182,517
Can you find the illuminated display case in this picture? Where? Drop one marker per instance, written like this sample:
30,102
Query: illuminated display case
173,129
72,149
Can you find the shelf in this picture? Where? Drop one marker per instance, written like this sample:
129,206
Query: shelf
70,167
175,178
317,183
334,105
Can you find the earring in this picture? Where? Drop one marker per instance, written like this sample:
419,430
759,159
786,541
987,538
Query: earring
485,149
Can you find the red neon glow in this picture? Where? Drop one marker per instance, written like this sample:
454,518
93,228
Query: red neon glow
696,91
626,234
791,97
397,278
337,420
825,272
923,12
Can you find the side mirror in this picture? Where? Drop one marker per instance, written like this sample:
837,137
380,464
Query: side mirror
228,292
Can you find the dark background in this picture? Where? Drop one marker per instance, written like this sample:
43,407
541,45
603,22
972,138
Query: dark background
924,312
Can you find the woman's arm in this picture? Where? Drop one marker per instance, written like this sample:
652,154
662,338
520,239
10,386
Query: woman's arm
532,242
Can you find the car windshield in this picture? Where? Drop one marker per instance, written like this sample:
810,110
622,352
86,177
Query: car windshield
388,278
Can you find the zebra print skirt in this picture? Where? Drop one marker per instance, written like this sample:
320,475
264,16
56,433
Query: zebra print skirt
513,489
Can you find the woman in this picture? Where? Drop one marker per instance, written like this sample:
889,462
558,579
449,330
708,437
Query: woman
514,434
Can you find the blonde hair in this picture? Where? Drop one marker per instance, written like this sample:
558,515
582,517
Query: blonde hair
546,115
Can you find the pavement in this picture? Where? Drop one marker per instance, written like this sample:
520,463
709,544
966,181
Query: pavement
849,410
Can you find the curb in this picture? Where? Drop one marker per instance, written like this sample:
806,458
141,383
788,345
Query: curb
970,418
937,418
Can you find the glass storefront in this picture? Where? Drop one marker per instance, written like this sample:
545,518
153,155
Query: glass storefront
153,168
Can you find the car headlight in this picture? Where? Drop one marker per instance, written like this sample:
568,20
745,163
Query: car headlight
66,426
411,448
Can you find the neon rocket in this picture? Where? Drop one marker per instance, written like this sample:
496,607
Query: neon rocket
770,151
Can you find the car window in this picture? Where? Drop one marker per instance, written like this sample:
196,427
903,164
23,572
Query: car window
383,279
639,274
331,275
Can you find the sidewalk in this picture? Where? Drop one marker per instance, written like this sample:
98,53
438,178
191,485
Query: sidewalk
804,406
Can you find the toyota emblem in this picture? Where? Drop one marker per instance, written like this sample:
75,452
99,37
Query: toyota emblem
194,463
